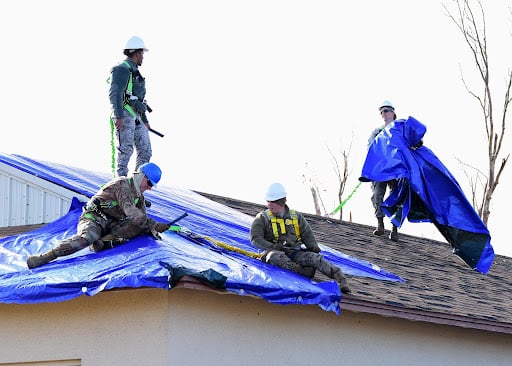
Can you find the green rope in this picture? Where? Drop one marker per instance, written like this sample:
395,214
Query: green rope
113,146
345,200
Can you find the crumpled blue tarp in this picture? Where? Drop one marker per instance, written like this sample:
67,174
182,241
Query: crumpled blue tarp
145,261
427,191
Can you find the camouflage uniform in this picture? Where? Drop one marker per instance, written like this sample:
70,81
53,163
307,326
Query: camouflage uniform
118,209
287,251
134,133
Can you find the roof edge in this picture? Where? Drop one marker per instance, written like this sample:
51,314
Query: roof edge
419,315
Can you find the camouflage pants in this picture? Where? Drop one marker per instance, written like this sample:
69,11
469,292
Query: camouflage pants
88,231
132,136
300,260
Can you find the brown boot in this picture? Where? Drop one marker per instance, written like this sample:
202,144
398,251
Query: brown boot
393,235
38,260
342,282
97,246
379,230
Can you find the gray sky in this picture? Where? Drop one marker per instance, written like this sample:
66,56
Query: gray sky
250,92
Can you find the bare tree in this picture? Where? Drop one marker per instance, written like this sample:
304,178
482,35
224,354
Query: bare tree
342,173
473,28
309,179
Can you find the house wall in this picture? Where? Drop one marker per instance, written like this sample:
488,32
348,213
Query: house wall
113,328
189,327
249,331
27,200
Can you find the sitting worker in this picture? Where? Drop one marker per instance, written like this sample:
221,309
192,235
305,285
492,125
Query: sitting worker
288,240
117,210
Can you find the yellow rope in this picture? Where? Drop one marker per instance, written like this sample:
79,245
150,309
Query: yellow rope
233,248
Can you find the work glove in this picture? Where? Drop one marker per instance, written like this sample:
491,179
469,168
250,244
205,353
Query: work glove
278,246
315,249
161,227
138,105
155,234
185,230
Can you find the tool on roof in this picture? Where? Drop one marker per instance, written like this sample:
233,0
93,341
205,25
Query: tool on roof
201,238
144,119
182,216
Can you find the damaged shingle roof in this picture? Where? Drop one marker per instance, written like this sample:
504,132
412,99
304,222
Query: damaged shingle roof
438,286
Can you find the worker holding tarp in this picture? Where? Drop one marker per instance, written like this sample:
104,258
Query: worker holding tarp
426,191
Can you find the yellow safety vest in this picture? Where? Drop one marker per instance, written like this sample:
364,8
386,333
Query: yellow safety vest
280,223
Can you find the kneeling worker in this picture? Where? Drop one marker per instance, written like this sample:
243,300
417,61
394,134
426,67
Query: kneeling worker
118,209
288,240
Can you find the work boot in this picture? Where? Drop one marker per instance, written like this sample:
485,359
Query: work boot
38,260
379,230
97,246
393,235
342,282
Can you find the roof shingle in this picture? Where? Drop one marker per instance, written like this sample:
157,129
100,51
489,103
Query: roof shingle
439,285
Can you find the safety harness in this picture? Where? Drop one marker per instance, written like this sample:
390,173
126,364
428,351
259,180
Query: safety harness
280,223
97,207
128,94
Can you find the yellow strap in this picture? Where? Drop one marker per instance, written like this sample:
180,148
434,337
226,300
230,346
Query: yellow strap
295,222
282,224
233,248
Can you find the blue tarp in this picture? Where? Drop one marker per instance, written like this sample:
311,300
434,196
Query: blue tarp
427,191
146,262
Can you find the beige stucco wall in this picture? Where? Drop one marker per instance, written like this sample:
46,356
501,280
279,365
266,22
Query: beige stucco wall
248,331
189,327
113,328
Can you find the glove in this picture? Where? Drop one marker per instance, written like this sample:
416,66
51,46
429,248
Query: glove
278,246
139,106
315,249
185,230
161,227
155,234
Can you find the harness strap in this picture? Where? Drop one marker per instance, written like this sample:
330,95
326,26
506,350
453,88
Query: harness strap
93,206
130,110
128,92
279,223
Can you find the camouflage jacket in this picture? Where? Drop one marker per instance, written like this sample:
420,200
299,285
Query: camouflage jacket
121,203
262,234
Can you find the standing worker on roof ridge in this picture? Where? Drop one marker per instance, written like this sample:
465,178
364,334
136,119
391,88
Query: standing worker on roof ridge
127,98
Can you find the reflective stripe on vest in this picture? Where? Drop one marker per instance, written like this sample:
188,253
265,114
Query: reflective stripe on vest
280,223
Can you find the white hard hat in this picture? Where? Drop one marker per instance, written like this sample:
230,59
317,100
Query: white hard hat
135,43
386,103
275,191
